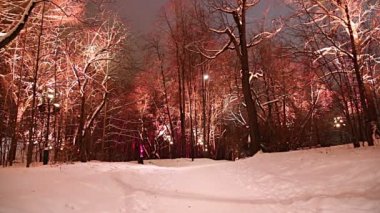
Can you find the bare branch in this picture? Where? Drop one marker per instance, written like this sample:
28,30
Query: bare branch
7,37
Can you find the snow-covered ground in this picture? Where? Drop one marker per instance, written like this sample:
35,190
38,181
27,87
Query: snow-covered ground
337,179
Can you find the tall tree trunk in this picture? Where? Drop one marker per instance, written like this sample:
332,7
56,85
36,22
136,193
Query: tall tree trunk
80,142
13,148
190,94
359,78
35,81
181,109
160,58
244,62
102,151
183,113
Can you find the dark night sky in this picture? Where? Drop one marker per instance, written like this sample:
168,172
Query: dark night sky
141,14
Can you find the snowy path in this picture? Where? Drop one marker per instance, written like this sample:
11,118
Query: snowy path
322,180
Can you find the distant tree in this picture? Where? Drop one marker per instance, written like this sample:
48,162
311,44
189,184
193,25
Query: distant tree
339,37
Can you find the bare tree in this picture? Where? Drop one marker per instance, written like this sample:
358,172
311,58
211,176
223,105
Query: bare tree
99,46
237,39
35,81
343,32
160,56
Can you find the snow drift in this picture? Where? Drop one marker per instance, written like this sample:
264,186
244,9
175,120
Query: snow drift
337,179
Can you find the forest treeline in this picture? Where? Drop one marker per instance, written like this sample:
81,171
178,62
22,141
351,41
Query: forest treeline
213,79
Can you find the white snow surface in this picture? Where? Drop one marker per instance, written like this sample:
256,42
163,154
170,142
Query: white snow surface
336,179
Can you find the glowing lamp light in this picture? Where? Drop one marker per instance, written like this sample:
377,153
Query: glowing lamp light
206,77
50,96
339,122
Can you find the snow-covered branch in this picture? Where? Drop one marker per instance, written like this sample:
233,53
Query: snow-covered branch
264,35
18,25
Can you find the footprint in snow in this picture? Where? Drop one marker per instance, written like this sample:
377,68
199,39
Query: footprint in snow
69,206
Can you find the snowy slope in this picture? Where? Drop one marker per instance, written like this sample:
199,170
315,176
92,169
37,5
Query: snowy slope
339,179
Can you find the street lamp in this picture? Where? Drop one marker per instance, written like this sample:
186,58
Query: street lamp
57,105
206,77
140,147
50,97
339,123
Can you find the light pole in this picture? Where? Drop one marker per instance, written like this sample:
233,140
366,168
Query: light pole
45,158
205,78
56,135
170,146
50,96
140,159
